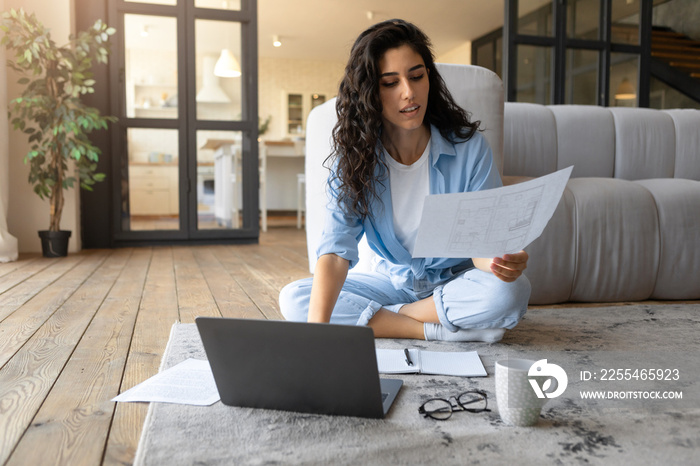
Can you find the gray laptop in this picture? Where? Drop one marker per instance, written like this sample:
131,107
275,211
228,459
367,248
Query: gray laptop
294,366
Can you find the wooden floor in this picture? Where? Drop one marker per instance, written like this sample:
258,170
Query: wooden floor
76,331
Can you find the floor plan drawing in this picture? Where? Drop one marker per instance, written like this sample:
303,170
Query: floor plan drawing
489,223
508,219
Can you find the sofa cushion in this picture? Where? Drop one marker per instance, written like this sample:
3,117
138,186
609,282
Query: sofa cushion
645,143
617,240
687,125
530,140
479,91
678,206
585,139
552,263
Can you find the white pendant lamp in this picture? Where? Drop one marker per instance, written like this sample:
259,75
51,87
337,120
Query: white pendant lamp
227,66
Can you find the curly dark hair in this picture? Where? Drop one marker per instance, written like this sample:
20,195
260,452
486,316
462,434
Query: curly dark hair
359,110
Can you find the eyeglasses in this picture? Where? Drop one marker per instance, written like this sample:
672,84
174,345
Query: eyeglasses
441,409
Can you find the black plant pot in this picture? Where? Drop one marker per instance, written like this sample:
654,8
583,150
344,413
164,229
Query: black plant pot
54,243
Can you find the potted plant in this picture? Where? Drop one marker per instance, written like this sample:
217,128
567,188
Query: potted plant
50,112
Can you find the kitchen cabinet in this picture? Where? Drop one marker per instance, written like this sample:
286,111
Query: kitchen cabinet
153,189
152,101
296,108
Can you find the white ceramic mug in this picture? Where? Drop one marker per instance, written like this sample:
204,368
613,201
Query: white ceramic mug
517,401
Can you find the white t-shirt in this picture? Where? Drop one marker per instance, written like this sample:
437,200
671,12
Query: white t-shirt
409,186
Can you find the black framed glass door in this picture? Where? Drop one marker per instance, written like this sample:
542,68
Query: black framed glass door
184,81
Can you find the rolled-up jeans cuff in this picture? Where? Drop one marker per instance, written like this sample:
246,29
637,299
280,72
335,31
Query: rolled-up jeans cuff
368,313
442,314
510,323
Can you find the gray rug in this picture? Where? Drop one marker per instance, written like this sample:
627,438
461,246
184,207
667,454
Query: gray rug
572,430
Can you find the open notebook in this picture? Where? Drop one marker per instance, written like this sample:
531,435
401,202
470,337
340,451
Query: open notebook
395,361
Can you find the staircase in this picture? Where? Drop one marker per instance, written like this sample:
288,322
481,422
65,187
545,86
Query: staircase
676,60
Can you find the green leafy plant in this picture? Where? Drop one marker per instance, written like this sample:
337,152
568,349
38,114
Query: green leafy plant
263,126
49,109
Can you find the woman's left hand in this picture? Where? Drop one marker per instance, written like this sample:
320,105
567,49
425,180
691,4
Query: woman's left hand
509,267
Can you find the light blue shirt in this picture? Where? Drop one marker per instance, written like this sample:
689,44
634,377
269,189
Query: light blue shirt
461,167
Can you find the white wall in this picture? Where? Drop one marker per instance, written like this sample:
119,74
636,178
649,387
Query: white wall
28,214
4,145
461,55
8,243
275,76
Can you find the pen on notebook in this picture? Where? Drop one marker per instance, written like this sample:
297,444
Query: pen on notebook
408,357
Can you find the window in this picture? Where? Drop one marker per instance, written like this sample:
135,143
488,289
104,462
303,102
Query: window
572,52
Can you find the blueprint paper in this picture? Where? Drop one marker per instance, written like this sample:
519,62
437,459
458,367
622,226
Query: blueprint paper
488,223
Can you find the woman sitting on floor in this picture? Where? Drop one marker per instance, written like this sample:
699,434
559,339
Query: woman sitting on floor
399,137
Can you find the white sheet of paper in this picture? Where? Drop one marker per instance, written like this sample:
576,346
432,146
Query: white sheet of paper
488,223
392,361
191,382
463,363
467,364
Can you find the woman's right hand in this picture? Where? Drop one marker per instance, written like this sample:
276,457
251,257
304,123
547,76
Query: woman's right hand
507,268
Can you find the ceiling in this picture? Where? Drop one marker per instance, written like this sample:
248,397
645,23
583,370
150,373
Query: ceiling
326,29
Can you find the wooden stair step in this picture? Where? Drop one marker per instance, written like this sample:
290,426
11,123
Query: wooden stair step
675,56
666,33
679,48
674,40
683,64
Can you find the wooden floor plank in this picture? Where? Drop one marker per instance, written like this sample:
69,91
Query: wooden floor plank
264,295
21,274
8,267
27,318
27,378
157,313
272,264
27,289
194,297
230,297
273,271
264,269
74,419
292,240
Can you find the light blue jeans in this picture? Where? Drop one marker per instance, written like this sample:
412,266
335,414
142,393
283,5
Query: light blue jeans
472,299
